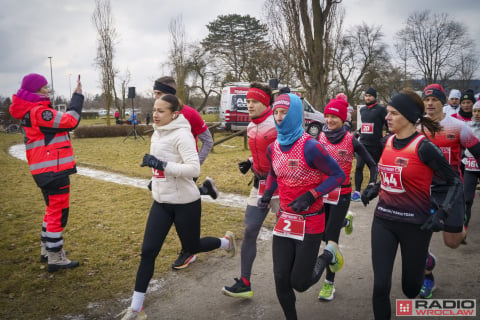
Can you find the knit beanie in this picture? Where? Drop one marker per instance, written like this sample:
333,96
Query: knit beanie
342,96
33,82
476,105
371,92
468,95
454,93
337,107
435,90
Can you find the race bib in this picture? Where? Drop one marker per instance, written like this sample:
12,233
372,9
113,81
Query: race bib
447,151
290,225
333,196
367,128
158,175
261,189
391,178
471,164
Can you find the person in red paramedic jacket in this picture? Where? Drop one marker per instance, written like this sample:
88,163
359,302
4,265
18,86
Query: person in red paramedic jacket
50,158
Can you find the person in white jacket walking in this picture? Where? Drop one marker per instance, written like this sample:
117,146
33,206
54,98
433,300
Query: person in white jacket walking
174,161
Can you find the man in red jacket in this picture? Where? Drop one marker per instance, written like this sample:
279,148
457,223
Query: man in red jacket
50,158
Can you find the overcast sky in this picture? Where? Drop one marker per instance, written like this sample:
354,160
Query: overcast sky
33,30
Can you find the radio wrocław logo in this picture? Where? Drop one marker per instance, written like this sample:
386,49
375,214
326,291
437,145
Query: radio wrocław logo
437,307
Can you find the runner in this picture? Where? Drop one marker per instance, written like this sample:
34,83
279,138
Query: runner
261,132
341,145
299,164
472,172
402,216
174,161
167,85
373,121
453,137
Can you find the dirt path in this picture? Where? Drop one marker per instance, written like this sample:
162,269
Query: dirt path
195,293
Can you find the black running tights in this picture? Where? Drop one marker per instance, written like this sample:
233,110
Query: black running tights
186,218
386,236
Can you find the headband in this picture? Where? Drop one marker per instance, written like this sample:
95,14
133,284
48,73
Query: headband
406,106
259,95
164,88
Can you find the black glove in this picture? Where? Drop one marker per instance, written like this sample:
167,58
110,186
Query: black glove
244,166
356,134
303,202
370,193
152,162
150,185
435,221
263,202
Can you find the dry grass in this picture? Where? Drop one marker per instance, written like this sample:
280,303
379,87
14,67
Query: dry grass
104,232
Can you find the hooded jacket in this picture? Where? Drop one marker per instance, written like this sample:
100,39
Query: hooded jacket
174,144
47,142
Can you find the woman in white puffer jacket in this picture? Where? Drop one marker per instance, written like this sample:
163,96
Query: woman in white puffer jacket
174,161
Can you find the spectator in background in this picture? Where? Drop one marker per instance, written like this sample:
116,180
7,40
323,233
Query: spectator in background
371,133
147,119
453,102
466,103
117,116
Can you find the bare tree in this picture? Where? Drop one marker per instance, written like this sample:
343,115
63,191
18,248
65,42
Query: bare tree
205,75
103,21
361,49
434,43
177,56
303,30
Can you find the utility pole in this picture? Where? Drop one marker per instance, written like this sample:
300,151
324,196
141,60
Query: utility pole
51,80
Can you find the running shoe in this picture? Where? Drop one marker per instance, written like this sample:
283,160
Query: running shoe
349,227
183,260
337,263
129,314
328,289
238,290
427,288
210,188
356,196
232,249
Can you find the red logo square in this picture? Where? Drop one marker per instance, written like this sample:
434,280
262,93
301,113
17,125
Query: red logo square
404,308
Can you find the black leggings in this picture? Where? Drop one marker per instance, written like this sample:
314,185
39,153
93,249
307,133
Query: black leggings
470,179
375,152
186,218
386,236
335,217
293,265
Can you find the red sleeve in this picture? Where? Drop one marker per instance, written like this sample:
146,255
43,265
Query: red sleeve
52,119
195,119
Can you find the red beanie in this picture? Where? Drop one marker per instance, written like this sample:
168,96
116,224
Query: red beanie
337,107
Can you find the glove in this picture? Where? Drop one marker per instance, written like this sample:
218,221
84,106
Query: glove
263,202
303,202
152,162
244,166
370,193
435,221
150,185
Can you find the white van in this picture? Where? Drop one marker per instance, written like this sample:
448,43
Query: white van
234,114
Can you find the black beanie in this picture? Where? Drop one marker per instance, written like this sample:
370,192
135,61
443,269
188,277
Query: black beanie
371,92
468,95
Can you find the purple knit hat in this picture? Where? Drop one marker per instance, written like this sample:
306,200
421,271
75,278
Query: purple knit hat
33,82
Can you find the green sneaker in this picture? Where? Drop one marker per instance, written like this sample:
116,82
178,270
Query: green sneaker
338,262
327,291
349,228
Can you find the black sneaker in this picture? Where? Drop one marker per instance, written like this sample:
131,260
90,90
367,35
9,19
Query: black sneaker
210,188
183,260
238,290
